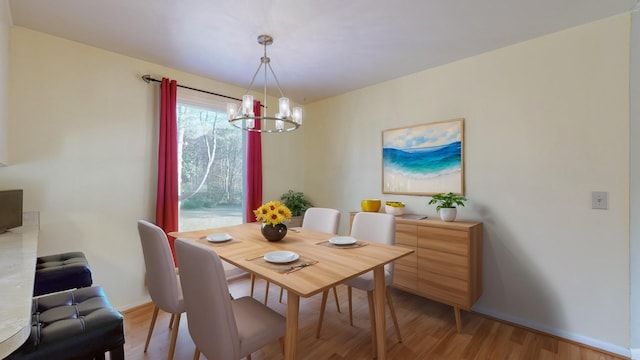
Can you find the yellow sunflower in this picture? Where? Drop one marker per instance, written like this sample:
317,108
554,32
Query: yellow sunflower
272,213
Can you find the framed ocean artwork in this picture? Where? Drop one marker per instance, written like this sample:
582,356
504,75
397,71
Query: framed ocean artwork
424,159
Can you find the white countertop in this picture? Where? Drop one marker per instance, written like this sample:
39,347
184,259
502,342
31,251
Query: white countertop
18,253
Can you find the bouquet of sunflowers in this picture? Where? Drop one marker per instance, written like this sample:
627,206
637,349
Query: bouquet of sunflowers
272,213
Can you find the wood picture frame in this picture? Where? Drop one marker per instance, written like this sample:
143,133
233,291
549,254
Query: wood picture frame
425,159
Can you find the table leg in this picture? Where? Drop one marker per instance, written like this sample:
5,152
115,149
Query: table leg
379,294
291,337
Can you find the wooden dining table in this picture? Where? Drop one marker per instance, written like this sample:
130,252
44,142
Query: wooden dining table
328,266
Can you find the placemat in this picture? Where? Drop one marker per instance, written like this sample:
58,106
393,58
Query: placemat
203,240
357,244
287,268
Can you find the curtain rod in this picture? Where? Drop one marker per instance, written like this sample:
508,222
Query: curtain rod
147,78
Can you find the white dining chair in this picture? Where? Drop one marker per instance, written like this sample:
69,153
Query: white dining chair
321,219
222,328
318,219
324,220
162,279
374,227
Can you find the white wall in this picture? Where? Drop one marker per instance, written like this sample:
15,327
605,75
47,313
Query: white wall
5,25
546,123
634,187
83,130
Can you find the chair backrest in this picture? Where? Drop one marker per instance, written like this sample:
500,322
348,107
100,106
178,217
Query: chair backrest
321,219
376,227
212,324
162,281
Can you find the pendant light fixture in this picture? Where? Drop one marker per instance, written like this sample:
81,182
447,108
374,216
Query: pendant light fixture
286,119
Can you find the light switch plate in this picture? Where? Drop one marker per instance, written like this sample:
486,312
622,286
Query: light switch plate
599,200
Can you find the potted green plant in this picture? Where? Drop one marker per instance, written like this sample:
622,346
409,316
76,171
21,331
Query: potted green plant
298,204
446,205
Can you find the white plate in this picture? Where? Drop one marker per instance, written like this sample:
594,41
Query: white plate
281,257
219,237
342,240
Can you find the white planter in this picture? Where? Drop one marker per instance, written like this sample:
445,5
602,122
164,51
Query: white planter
295,221
448,214
395,211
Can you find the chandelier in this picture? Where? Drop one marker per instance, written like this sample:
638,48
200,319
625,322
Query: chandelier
286,119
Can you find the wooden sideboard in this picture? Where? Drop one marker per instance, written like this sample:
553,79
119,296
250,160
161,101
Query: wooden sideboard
446,265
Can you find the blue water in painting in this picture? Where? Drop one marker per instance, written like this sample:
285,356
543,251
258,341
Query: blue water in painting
424,162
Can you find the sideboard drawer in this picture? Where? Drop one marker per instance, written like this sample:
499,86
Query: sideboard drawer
444,288
452,265
405,276
407,235
445,240
409,260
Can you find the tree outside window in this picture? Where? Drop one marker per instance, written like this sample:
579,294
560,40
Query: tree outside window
210,152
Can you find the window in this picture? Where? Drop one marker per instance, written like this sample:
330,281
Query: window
210,171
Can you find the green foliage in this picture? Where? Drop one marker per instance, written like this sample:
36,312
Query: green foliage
197,201
296,202
211,159
448,200
209,200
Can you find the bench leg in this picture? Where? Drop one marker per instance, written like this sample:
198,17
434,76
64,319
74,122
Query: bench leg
117,353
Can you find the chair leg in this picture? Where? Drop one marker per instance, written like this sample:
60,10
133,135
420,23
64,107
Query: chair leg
281,292
266,293
335,294
372,318
393,316
153,323
196,354
253,282
174,336
249,357
173,317
350,306
323,306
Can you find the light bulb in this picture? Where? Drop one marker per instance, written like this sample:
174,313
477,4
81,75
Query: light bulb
297,115
247,104
284,106
232,110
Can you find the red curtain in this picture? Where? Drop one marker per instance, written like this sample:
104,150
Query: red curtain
253,196
167,197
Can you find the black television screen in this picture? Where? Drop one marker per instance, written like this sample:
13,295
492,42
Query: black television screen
10,209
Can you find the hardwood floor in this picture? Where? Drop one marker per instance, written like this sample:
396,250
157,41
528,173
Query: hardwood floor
428,332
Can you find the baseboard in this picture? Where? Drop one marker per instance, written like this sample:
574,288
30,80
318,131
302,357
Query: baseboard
130,308
594,343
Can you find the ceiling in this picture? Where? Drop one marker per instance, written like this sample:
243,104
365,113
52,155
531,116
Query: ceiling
322,48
